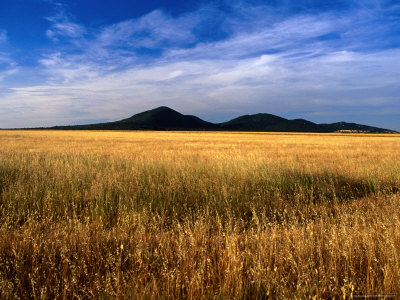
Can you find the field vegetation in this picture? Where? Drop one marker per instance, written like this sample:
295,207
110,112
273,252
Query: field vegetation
149,215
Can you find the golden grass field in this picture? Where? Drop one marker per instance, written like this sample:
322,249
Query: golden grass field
150,215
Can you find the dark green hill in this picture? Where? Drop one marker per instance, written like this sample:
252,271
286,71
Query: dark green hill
160,118
257,122
165,118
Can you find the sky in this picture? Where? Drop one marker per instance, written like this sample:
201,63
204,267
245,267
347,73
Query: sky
85,61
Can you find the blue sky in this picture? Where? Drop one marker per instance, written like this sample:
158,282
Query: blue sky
77,62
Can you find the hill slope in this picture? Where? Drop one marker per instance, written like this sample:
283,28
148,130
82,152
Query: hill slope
257,122
165,118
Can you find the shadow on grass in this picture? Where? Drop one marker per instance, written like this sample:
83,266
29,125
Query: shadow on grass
268,193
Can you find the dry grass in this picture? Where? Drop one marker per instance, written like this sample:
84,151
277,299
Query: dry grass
198,215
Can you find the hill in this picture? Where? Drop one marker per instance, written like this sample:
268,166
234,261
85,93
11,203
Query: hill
160,118
165,118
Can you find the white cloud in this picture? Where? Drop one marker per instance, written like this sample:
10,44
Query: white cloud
268,83
67,29
3,36
149,30
7,65
62,26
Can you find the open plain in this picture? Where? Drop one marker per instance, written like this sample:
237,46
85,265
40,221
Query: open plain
142,214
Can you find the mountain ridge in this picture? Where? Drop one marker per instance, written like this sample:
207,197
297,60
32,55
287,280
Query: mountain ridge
165,118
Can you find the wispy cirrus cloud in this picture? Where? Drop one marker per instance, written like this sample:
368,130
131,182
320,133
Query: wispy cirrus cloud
151,31
3,36
8,66
62,26
67,29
